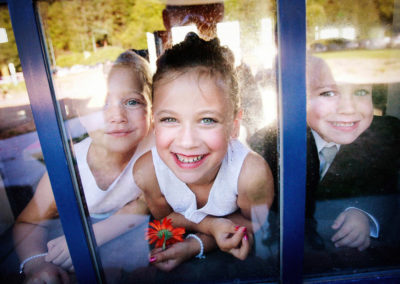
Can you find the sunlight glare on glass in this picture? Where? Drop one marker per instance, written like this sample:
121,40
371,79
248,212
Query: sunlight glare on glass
3,35
229,35
179,33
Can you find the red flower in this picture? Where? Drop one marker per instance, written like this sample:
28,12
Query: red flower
163,234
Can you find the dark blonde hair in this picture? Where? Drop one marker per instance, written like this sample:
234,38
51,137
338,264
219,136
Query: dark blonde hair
140,67
209,57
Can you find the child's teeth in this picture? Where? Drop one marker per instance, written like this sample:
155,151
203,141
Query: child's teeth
343,124
184,159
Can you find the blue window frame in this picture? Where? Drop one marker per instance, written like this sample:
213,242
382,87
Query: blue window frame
291,74
79,235
41,95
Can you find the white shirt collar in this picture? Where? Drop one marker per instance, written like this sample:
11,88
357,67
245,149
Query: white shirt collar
321,143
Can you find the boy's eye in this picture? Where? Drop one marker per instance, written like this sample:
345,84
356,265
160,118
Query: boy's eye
168,119
361,92
327,94
208,120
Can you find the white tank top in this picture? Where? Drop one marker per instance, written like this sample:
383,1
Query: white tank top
222,199
102,203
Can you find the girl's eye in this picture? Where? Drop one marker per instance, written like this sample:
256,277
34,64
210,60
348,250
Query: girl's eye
361,92
208,120
168,119
131,103
327,94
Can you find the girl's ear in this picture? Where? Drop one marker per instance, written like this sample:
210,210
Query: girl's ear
236,124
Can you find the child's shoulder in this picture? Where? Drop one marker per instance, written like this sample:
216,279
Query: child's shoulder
254,167
255,177
144,172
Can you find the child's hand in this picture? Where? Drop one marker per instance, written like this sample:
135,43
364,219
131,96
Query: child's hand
174,255
230,238
58,253
45,272
353,230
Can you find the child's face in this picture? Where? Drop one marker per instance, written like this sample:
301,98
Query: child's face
193,123
338,113
125,113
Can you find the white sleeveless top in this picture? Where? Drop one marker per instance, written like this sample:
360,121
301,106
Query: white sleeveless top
103,203
222,199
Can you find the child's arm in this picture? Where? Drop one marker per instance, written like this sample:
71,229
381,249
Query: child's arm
145,177
353,230
179,252
30,233
255,190
129,216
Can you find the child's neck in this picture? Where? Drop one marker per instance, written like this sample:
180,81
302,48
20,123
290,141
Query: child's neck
202,192
105,165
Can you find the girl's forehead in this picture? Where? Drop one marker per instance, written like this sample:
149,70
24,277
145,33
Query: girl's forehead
198,77
191,86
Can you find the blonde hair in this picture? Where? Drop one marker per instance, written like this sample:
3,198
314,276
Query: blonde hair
140,67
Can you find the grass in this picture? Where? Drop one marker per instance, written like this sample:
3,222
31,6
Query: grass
363,54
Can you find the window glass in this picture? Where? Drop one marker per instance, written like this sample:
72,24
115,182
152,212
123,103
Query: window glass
22,168
353,67
102,54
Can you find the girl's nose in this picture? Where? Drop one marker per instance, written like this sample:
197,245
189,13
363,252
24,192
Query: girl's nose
187,137
115,114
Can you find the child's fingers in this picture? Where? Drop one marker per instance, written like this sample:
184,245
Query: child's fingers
364,245
348,240
167,265
61,258
233,241
53,252
156,250
162,255
343,232
67,264
243,251
339,221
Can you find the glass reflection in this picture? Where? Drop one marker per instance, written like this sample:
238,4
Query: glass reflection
353,154
21,160
81,58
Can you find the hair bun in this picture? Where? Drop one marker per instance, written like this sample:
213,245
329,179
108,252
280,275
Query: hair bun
191,37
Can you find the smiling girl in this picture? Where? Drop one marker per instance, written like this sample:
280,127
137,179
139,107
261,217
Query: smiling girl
117,138
199,174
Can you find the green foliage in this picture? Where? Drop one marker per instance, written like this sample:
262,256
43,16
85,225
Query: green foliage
101,55
75,26
81,25
145,16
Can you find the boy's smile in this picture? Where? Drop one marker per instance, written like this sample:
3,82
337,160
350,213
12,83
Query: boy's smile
338,113
193,122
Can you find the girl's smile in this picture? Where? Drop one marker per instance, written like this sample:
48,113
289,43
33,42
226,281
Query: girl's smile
125,118
193,121
189,162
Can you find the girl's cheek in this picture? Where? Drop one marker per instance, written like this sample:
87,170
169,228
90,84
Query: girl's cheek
218,138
